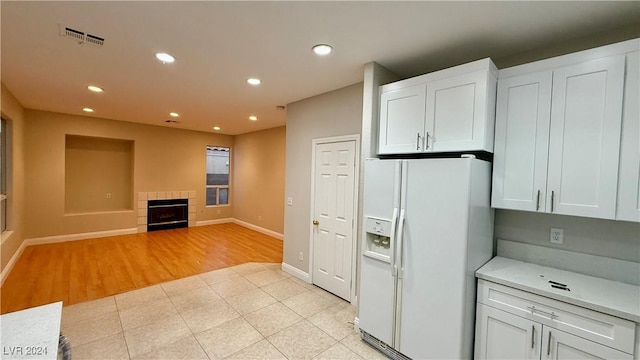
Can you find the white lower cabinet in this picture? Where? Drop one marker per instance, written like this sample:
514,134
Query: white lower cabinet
513,324
558,344
500,335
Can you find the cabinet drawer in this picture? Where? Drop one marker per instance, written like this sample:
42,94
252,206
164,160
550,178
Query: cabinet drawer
592,325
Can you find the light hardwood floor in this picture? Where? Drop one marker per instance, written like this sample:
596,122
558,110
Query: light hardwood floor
78,271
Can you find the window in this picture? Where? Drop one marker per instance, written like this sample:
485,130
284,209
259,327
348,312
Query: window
3,175
217,175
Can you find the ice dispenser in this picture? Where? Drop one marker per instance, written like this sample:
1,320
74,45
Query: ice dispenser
378,233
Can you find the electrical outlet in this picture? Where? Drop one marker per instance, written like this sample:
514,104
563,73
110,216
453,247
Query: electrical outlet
259,217
556,236
290,201
300,256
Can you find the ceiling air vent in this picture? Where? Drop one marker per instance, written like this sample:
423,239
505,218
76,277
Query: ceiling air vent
80,36
96,40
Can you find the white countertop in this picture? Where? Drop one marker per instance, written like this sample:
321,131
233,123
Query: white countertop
606,296
31,333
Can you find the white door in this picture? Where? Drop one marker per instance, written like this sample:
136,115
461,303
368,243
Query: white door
559,345
334,186
500,335
584,142
457,113
522,142
629,181
402,120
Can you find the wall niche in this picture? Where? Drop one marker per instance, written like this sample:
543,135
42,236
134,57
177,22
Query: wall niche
98,174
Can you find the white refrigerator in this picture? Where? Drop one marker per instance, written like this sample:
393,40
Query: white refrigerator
428,227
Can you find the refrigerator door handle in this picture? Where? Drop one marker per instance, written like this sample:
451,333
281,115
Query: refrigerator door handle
399,246
392,241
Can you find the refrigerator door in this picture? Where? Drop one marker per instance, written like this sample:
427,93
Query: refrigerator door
431,279
377,277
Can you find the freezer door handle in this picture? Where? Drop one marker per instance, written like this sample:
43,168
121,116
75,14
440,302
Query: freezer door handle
394,221
398,247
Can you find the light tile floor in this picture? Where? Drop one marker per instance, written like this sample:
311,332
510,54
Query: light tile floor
250,311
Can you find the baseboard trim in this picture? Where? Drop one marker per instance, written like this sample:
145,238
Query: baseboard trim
296,272
259,229
7,269
214,222
79,236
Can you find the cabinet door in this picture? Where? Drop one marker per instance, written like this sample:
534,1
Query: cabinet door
558,344
457,113
500,335
629,176
584,141
522,142
402,120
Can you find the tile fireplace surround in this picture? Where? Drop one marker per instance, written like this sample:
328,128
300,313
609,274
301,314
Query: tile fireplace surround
144,197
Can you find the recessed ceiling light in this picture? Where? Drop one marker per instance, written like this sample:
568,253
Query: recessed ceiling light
95,88
322,49
253,118
254,81
174,114
216,128
165,57
89,110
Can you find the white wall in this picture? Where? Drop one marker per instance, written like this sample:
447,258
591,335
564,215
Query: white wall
335,113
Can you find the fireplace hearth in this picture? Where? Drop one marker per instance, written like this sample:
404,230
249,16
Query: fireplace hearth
167,214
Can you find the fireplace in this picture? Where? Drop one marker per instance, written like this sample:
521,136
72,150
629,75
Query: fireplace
167,214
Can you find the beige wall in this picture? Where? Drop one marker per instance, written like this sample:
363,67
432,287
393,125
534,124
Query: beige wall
258,178
335,113
164,159
98,174
14,113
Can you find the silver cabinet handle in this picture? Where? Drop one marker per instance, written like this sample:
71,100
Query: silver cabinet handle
538,201
552,193
549,344
533,336
427,140
418,141
551,315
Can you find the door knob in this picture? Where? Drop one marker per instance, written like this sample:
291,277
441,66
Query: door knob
316,222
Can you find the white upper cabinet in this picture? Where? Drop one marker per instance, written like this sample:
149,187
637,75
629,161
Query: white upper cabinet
522,142
584,140
629,174
558,135
460,113
402,120
448,110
